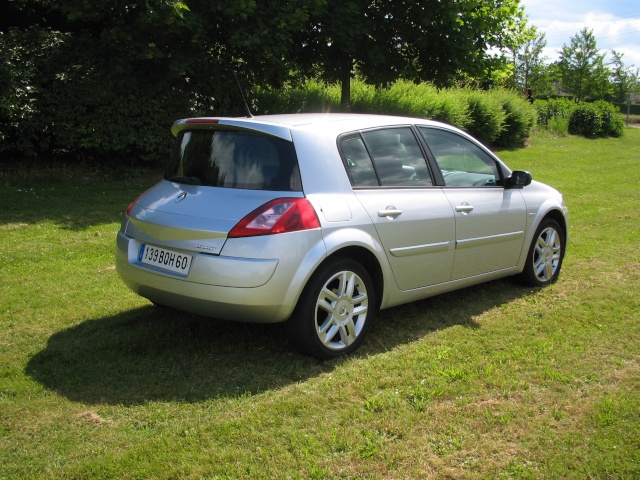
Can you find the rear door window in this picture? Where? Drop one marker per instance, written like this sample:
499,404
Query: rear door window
358,162
232,159
389,157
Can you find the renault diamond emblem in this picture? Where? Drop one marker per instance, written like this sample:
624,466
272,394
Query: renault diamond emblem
181,197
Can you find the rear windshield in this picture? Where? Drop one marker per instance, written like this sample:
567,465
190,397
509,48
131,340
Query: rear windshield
233,159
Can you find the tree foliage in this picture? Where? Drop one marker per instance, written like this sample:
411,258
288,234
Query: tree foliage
529,62
108,78
582,68
624,79
428,40
92,74
582,72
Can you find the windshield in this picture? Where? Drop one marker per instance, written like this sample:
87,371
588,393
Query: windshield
234,159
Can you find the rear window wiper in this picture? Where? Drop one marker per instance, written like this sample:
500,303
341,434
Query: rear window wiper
183,179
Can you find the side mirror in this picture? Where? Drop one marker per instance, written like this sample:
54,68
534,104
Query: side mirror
519,179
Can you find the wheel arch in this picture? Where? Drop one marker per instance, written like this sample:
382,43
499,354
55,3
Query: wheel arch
554,213
559,217
369,262
541,267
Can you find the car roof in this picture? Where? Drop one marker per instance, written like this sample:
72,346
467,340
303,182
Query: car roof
281,125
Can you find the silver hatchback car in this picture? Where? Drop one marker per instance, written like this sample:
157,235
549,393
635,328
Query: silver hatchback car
320,220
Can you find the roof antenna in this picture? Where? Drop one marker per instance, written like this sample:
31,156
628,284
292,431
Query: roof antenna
246,106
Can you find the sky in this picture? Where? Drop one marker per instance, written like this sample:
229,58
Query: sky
615,25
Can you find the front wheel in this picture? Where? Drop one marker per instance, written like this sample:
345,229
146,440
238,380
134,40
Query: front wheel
334,312
545,256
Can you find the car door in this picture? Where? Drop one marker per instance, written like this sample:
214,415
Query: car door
490,220
414,220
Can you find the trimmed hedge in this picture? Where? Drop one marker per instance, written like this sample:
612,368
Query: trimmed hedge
520,118
634,110
486,113
499,117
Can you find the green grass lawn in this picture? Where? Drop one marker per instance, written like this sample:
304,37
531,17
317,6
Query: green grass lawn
495,381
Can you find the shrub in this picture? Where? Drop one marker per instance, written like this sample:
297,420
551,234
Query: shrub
266,101
612,124
414,100
585,120
559,126
500,117
422,100
487,117
362,97
455,109
519,121
310,96
553,108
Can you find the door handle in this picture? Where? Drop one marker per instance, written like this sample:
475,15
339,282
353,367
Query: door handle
392,212
464,208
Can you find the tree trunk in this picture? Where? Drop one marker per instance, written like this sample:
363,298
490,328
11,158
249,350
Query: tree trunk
345,80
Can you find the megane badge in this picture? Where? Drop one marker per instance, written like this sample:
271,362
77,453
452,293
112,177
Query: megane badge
181,197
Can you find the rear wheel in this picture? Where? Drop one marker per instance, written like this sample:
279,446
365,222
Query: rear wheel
545,256
334,312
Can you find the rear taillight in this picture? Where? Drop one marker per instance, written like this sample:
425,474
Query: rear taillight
133,204
277,216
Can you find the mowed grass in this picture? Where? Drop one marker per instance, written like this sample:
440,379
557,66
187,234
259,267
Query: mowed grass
495,381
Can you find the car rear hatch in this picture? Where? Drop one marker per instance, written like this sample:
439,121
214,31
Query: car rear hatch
217,175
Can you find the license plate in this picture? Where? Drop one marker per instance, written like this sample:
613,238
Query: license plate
165,259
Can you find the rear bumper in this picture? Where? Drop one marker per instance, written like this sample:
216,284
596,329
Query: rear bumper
239,289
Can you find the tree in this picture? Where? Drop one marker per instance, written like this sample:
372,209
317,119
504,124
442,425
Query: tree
624,79
429,40
110,77
91,74
582,69
530,68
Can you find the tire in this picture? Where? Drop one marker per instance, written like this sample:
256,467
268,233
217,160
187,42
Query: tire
545,256
334,312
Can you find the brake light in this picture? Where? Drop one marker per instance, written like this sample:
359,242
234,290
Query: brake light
214,121
277,216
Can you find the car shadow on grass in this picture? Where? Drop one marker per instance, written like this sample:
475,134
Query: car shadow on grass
157,354
72,199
